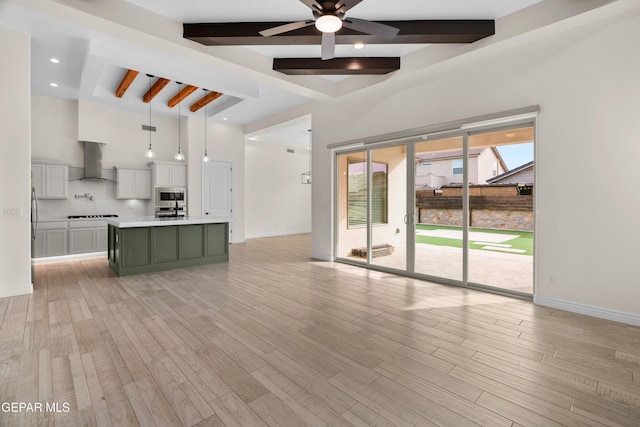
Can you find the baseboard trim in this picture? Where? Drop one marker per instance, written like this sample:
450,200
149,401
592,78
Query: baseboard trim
15,292
599,312
69,257
321,257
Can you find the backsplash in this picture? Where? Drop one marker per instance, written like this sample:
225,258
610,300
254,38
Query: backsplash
104,199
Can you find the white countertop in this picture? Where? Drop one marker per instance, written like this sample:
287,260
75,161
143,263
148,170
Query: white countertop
152,221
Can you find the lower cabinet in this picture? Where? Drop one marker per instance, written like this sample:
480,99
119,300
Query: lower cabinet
87,236
51,240
58,238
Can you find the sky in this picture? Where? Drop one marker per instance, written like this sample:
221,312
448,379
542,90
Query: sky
517,154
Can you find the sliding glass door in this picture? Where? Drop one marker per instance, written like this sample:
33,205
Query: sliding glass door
501,178
352,206
455,207
439,219
389,207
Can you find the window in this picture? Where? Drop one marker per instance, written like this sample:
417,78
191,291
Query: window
494,168
457,166
357,193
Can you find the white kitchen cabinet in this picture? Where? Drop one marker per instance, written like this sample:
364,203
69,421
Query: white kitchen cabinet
102,239
51,181
87,236
133,184
82,240
168,174
51,239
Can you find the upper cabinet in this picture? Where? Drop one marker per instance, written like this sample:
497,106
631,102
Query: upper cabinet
51,181
133,184
168,174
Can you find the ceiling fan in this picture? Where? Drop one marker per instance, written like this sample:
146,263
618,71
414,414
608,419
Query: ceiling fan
329,17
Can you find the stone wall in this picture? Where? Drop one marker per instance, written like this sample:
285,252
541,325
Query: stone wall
441,216
498,207
481,218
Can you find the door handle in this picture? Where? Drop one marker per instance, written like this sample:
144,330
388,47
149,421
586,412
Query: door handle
405,219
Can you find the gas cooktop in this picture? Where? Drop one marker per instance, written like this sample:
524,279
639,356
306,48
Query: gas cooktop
92,216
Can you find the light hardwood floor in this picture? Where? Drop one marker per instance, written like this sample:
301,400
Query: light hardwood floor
272,338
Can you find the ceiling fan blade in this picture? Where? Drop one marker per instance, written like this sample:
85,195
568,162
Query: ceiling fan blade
346,4
328,45
370,27
311,4
286,28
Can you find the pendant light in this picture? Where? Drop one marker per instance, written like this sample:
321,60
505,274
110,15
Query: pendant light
205,158
179,155
150,154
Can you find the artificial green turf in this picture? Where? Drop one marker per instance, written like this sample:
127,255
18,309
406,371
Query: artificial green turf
524,241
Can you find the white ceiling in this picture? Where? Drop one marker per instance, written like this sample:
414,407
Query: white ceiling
93,56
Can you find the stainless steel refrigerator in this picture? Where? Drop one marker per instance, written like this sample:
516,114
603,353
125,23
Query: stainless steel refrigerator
34,229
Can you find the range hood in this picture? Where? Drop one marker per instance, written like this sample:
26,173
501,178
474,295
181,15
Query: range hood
93,161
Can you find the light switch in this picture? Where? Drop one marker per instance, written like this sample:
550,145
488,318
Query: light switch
12,211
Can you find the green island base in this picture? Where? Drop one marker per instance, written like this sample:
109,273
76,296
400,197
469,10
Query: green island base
136,250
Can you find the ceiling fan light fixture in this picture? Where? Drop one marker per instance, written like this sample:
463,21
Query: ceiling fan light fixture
328,23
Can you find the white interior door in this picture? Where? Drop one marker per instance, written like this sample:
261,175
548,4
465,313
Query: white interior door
217,190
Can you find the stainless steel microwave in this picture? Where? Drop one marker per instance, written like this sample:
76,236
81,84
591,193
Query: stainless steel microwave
168,196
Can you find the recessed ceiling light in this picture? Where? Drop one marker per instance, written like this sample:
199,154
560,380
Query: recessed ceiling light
225,118
55,60
53,84
358,45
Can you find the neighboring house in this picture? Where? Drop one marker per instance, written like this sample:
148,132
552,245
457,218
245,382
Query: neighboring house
523,174
433,170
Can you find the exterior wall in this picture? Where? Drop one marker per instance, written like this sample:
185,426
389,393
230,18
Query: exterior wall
442,173
473,171
485,166
525,176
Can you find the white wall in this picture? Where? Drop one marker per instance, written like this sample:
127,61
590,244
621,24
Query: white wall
586,83
225,141
55,134
276,202
15,178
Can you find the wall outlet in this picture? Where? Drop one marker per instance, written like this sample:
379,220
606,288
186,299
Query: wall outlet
12,211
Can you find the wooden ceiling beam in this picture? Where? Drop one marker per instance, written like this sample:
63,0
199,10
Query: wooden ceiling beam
186,91
209,97
336,66
155,89
126,81
419,31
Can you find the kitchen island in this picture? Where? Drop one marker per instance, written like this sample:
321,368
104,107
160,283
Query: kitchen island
147,244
